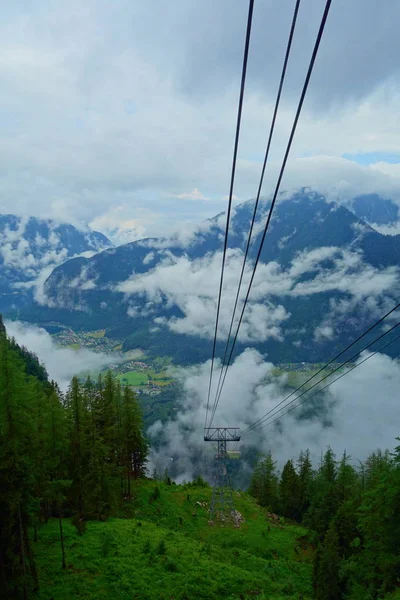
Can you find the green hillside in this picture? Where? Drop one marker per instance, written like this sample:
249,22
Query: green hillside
166,549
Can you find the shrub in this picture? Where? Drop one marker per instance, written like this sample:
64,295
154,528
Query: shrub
147,547
155,495
161,548
107,542
79,524
171,566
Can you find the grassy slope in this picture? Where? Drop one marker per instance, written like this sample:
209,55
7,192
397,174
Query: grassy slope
121,559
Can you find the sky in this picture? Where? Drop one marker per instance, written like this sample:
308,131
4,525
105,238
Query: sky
122,114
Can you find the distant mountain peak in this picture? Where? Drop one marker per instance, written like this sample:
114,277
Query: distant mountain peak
30,246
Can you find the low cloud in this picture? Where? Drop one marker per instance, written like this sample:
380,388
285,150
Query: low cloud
121,226
195,194
61,363
357,414
325,269
197,298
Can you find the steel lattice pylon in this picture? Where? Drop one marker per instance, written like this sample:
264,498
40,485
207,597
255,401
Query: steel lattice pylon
222,506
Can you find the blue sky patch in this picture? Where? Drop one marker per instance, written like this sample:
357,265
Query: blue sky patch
369,158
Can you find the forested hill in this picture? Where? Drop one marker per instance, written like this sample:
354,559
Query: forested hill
352,513
72,455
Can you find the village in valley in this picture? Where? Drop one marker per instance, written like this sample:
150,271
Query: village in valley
132,368
150,376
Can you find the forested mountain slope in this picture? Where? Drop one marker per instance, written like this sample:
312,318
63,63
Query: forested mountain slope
72,455
30,247
324,274
79,517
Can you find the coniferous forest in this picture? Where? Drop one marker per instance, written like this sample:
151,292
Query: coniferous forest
352,514
68,461
71,455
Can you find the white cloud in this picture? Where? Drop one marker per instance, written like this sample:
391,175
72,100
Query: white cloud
61,363
356,421
359,422
97,121
264,318
234,198
392,229
148,258
197,298
195,194
323,332
120,226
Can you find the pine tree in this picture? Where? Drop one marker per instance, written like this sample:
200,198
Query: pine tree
264,484
108,411
326,568
289,491
135,451
2,327
324,501
78,420
306,479
17,474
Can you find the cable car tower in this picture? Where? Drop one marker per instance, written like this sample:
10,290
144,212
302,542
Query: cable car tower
222,506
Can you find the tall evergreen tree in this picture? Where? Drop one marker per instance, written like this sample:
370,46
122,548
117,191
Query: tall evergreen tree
326,568
264,483
78,421
324,499
289,491
135,445
306,478
17,470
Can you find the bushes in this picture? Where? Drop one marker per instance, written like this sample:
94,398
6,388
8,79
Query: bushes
171,566
161,548
155,495
108,542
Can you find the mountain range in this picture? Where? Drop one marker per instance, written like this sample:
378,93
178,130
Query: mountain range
29,250
325,273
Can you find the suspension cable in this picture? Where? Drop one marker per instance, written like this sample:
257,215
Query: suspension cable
296,119
228,215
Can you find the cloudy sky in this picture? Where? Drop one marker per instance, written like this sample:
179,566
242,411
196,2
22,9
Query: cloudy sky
122,113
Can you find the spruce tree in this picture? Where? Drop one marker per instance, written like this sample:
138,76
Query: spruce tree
135,445
306,479
264,484
326,568
18,469
78,420
289,491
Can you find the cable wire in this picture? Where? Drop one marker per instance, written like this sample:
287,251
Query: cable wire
272,412
271,131
289,145
239,118
329,384
334,359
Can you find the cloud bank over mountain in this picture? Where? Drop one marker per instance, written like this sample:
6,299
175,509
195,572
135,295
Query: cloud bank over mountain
30,248
112,114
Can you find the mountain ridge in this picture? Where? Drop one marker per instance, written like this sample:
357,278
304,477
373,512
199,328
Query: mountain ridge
319,260
30,247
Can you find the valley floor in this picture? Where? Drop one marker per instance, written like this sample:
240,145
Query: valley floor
165,549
